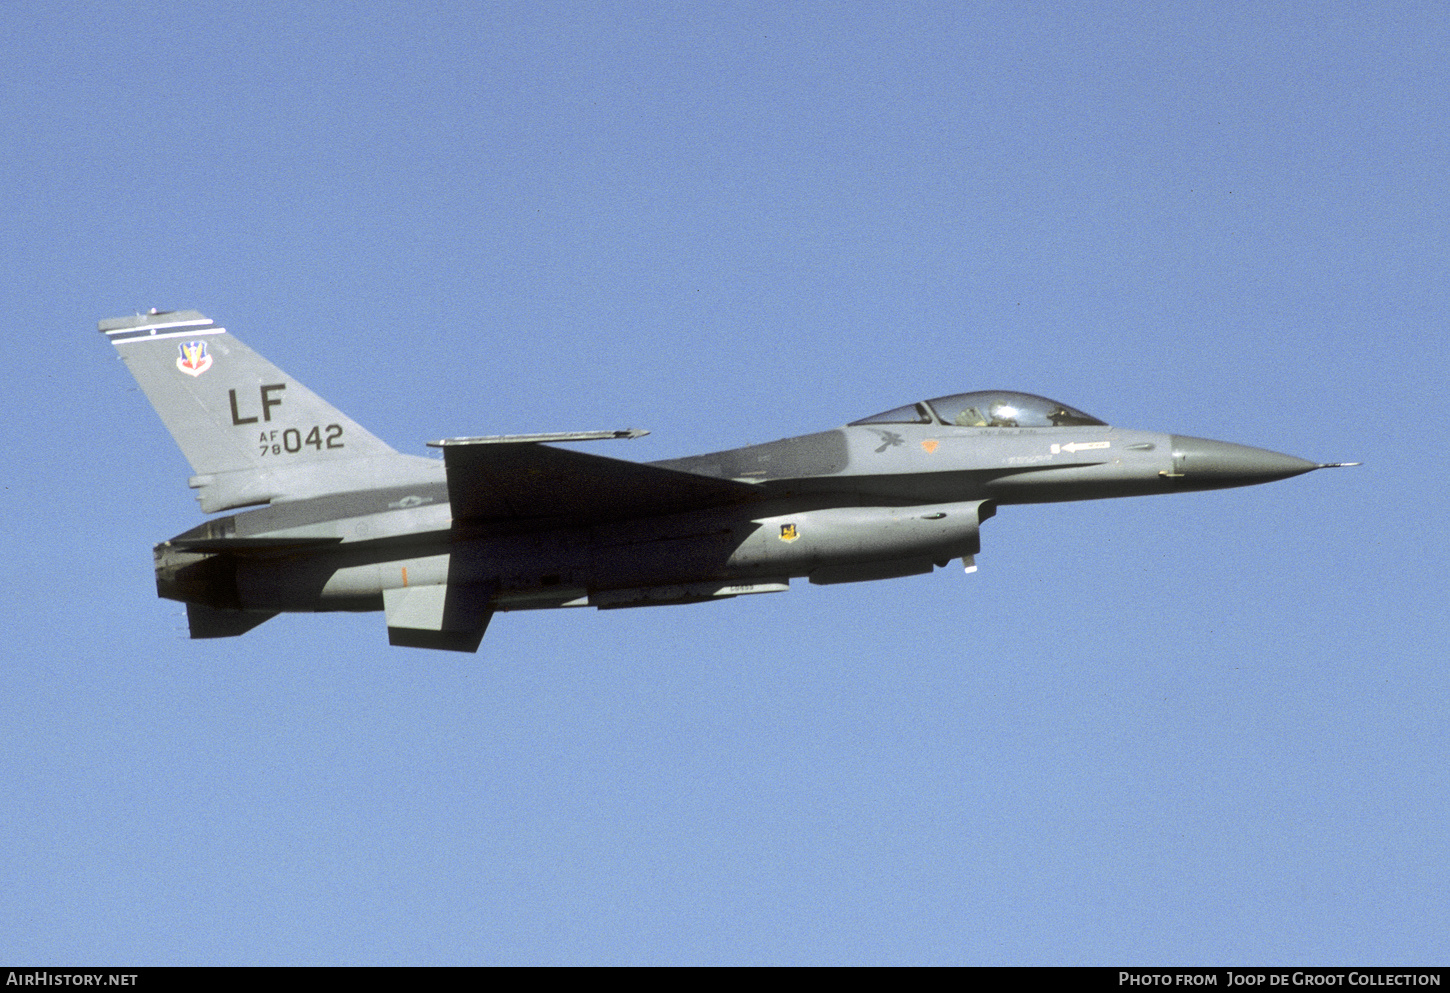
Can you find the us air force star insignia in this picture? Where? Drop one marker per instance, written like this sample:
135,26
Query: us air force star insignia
929,445
194,360
788,532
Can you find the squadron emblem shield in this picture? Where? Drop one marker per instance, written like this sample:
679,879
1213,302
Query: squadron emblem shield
788,532
194,359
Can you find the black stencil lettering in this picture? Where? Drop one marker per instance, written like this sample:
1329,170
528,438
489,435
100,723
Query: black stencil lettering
237,418
267,402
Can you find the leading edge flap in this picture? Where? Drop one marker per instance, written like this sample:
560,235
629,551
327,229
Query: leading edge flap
491,481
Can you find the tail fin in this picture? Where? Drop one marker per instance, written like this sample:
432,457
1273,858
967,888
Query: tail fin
252,433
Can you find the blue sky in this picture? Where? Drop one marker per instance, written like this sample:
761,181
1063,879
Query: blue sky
1207,729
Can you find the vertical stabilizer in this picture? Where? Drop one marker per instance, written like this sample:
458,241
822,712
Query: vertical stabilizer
251,432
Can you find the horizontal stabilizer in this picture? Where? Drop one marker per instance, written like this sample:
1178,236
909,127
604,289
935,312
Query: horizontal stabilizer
446,641
450,616
208,622
491,481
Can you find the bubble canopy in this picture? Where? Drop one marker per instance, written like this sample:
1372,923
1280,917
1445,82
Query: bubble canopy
987,409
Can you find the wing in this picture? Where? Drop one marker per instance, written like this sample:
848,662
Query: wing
492,481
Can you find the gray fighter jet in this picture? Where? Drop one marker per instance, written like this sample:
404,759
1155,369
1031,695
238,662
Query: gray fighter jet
344,522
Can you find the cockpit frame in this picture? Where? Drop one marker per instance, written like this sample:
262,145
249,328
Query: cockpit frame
986,409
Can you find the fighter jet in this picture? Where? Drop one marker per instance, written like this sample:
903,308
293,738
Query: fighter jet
345,522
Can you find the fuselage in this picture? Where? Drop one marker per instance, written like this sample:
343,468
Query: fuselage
866,501
510,522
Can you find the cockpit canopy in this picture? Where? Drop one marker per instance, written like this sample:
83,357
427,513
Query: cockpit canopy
987,409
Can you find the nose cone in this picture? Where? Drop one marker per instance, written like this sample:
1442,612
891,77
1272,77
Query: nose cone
1199,463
